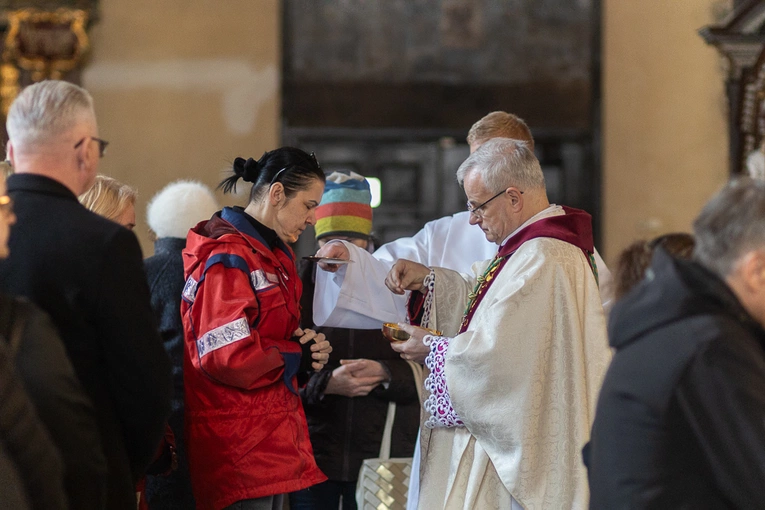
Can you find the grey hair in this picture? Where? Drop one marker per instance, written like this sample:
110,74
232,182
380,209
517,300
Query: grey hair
46,110
504,162
731,224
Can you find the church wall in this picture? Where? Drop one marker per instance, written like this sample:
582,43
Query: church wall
182,87
664,118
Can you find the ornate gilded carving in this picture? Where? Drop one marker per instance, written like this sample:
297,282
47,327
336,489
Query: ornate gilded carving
43,44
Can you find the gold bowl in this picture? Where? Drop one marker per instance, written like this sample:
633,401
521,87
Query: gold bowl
393,333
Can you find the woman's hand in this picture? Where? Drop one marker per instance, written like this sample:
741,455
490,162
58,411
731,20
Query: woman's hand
413,349
356,378
319,350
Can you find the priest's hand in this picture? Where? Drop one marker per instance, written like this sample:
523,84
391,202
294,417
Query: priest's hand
406,275
332,250
413,349
356,378
319,350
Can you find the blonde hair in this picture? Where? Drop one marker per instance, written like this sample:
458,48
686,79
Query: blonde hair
108,197
500,125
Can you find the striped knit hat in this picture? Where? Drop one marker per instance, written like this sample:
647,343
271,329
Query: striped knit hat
344,209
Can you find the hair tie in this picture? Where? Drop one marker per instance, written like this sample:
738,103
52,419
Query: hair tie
247,169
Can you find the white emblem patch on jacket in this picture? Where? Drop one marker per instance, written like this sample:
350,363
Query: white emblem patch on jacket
223,336
190,289
263,281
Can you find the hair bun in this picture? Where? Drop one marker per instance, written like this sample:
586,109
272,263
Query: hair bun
247,169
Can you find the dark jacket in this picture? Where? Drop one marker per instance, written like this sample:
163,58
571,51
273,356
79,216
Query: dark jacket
164,272
24,438
680,421
345,431
86,272
61,404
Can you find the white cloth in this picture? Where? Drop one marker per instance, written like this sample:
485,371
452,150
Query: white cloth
524,378
356,297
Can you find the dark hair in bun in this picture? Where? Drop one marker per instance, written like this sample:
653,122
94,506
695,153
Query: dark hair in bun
292,167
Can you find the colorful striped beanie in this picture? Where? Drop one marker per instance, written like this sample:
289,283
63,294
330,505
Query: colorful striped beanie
344,209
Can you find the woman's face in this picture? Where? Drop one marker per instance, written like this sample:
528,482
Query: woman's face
127,218
298,212
7,218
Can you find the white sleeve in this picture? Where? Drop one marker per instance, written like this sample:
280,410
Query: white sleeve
356,296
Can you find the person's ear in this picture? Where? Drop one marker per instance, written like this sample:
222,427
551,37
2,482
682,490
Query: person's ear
9,153
516,198
84,155
752,271
276,194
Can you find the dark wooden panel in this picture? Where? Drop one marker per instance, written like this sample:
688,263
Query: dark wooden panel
548,104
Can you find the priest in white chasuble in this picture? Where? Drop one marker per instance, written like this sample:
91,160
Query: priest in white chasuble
515,377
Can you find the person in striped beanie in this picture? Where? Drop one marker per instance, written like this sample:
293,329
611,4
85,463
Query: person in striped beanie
344,212
346,403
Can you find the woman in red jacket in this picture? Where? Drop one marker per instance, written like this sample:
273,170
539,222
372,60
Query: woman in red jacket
246,431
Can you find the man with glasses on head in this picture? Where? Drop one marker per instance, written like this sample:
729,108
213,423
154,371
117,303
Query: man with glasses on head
514,383
87,273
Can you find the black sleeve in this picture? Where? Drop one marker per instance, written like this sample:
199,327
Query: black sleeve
722,395
139,369
401,388
27,442
313,391
63,407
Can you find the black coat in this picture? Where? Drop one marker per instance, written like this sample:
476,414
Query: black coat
87,273
27,443
680,421
164,272
61,403
345,431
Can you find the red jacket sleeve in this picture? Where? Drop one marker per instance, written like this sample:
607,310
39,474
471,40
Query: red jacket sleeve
226,343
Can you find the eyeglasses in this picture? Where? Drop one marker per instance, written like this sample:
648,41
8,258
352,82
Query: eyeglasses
102,144
6,205
477,209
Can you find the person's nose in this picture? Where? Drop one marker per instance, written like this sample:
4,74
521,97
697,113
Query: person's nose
311,217
474,219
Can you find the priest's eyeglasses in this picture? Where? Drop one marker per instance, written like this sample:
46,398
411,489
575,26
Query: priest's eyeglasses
101,144
477,209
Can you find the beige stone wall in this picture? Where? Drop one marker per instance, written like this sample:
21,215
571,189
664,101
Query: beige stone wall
664,118
182,87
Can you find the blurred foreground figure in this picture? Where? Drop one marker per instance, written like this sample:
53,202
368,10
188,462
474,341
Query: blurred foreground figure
87,273
680,421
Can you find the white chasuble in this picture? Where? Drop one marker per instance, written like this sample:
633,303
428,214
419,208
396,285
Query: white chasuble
523,377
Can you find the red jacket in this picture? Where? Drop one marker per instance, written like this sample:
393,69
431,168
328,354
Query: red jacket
246,432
